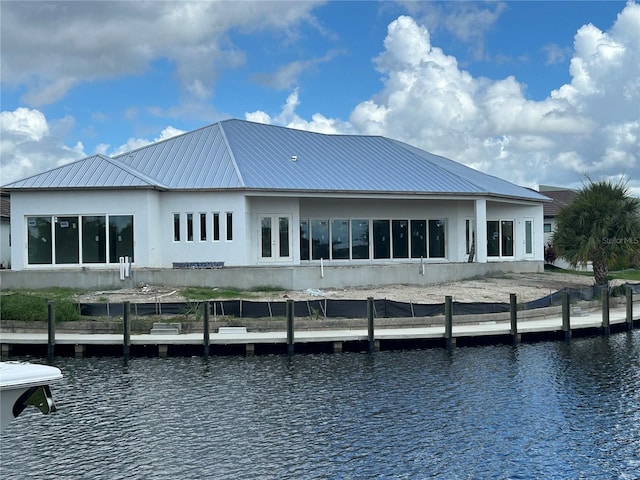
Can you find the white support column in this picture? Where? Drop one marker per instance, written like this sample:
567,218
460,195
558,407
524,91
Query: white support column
481,230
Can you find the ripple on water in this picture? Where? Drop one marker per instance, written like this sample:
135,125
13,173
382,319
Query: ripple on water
544,410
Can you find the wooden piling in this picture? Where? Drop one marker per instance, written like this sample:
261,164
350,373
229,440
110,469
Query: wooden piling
51,329
448,322
290,314
205,328
513,310
370,326
566,315
79,350
606,327
126,330
163,351
629,301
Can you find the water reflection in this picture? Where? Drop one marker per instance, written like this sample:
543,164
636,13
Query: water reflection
545,410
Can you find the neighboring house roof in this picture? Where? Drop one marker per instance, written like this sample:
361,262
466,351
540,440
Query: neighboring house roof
560,198
236,154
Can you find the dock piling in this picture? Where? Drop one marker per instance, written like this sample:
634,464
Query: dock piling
290,314
513,310
448,322
126,329
606,326
51,329
629,303
566,316
205,328
370,326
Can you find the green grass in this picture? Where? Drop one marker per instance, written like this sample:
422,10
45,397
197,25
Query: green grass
632,274
33,306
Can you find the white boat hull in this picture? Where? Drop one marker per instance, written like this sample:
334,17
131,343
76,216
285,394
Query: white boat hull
23,385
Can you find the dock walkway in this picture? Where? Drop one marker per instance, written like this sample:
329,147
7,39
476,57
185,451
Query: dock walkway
336,339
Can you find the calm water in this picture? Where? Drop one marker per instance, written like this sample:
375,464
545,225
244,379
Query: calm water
536,411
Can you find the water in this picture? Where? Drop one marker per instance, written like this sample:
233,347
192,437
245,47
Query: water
536,411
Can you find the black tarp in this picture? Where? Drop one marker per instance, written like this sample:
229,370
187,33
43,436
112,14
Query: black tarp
329,308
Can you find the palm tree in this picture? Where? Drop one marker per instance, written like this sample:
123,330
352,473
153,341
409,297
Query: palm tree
601,225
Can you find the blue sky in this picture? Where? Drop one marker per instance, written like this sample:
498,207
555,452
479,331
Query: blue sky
533,92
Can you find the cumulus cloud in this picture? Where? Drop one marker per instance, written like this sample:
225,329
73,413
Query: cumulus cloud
30,144
590,126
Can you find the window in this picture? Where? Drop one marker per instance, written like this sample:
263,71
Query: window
39,245
418,238
203,227
229,226
528,237
120,237
189,227
436,238
400,232
94,239
493,238
176,227
67,244
304,240
359,239
216,227
283,236
500,238
340,239
547,228
381,243
507,238
319,239
265,233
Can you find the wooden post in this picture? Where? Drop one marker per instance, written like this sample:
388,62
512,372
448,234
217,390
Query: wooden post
289,313
513,310
566,316
126,329
51,328
606,328
205,328
448,322
629,298
370,326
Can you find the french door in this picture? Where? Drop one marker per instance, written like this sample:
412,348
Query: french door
275,238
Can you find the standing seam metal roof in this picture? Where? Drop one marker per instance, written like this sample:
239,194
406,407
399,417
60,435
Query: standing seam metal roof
235,154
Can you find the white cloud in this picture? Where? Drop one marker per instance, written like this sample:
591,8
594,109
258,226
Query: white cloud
590,126
50,47
30,144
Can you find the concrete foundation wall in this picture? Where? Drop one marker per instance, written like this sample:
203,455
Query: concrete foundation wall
286,278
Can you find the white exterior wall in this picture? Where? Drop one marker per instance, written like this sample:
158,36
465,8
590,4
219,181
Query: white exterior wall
231,252
139,203
153,213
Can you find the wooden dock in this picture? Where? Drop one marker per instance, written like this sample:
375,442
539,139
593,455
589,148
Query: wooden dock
239,341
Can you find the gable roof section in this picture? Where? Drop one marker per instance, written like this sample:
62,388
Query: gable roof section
236,154
97,171
560,198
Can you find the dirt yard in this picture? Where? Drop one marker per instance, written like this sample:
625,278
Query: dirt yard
527,287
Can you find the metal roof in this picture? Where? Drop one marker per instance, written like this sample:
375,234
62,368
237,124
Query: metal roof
236,154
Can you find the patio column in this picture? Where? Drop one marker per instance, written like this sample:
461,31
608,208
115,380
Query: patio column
481,230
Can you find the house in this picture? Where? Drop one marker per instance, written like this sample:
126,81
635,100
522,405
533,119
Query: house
245,204
560,198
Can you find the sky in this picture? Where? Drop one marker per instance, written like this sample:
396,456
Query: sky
536,93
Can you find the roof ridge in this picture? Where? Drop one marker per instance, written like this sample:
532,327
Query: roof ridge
116,162
231,155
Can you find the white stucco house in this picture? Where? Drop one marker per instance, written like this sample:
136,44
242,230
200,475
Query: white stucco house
238,194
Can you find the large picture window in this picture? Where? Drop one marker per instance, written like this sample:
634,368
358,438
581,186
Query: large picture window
437,239
340,239
418,238
319,239
73,240
381,239
359,239
400,230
